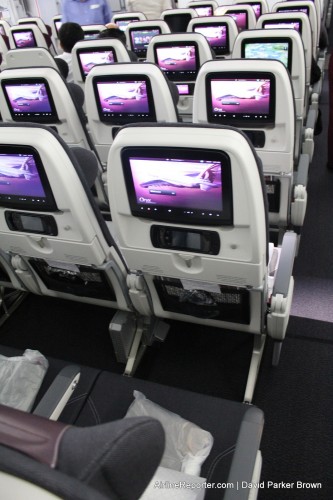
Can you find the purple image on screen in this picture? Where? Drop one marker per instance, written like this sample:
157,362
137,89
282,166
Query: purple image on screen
24,39
183,89
176,58
90,59
58,25
256,9
283,24
240,19
243,97
215,35
204,11
305,10
2,31
123,97
141,38
19,176
174,183
28,99
123,23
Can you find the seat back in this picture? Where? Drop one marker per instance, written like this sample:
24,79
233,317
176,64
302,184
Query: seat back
51,228
307,7
243,15
259,7
257,97
267,44
27,35
123,19
4,28
180,56
203,8
88,53
41,95
178,19
34,20
139,34
298,21
165,185
29,58
125,93
220,32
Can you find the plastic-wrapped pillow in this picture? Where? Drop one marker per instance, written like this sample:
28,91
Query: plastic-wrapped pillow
187,445
21,378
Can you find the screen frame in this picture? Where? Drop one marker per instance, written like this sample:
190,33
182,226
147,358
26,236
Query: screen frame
179,76
126,20
276,23
117,120
133,29
242,121
35,119
27,204
213,24
180,215
305,9
24,31
91,50
248,41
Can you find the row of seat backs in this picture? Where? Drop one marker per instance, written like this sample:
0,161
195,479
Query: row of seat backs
211,269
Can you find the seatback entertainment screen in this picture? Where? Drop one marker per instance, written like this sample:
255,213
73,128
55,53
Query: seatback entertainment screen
124,100
268,48
140,39
30,100
217,36
23,183
179,61
88,58
241,99
24,39
179,185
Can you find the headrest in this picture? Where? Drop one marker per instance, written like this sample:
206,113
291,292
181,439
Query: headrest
62,67
88,163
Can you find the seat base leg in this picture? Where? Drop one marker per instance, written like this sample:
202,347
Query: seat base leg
258,349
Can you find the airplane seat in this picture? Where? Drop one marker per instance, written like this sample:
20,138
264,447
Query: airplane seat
179,56
30,57
220,31
255,44
139,34
189,214
243,14
91,31
44,28
88,53
178,19
55,238
119,443
253,95
67,466
23,36
43,96
308,8
123,93
4,28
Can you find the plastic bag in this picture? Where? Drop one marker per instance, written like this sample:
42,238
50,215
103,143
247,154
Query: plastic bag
186,446
21,378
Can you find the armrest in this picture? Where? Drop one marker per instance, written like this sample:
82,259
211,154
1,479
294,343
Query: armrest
286,263
311,118
244,459
301,176
59,392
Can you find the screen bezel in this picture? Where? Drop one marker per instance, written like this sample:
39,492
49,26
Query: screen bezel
92,50
53,118
177,18
241,121
304,9
267,40
143,52
180,215
204,6
118,120
27,203
217,50
24,31
278,22
179,76
126,20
